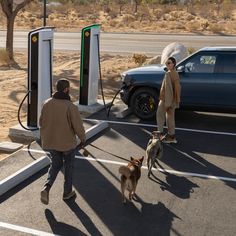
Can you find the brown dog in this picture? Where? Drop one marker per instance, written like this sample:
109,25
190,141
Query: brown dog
130,175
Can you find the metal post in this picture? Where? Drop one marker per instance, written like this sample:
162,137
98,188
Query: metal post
44,13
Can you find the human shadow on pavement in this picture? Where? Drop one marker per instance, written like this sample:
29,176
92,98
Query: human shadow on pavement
83,217
178,185
104,198
61,228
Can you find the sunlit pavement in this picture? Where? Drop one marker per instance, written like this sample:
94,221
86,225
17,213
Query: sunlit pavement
195,197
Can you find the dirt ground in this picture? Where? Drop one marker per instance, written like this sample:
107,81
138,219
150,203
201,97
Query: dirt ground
210,19
13,83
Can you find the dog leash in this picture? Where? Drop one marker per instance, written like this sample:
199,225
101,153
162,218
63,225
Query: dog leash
100,149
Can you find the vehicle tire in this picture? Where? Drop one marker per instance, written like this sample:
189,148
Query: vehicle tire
144,102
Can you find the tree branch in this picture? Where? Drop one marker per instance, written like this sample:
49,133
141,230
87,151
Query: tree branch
20,6
7,7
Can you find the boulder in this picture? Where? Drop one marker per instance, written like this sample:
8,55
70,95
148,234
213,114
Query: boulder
176,50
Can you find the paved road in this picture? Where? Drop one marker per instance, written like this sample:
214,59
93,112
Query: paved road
166,204
123,43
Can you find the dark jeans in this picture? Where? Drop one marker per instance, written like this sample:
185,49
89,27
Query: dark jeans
58,160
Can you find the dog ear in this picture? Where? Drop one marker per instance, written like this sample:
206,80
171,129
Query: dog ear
131,158
141,159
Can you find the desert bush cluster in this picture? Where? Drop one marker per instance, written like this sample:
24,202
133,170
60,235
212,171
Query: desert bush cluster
4,58
213,16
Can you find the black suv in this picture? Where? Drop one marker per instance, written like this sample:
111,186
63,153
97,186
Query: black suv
207,77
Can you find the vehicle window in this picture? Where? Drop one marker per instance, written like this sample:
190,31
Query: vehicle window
229,64
201,64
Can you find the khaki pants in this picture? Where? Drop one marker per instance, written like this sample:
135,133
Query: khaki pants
163,116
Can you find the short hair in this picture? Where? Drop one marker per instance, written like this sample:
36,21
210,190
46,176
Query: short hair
172,59
62,84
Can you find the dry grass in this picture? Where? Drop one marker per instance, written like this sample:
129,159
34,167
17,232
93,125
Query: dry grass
192,26
149,18
139,59
216,28
4,58
191,50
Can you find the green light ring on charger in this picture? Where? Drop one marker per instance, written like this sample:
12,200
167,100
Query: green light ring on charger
82,52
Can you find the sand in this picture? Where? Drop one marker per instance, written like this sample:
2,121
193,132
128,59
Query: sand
13,83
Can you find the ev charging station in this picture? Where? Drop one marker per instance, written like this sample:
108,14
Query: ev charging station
89,65
40,56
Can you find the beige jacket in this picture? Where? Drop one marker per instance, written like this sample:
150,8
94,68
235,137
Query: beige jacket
60,122
171,89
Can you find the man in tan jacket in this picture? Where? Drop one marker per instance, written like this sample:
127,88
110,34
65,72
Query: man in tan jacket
60,122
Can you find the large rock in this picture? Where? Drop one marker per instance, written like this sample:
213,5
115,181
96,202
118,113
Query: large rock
176,50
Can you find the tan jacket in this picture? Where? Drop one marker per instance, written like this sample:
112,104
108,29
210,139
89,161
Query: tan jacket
60,122
171,89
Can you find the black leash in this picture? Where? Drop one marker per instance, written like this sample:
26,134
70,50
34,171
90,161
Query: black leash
100,149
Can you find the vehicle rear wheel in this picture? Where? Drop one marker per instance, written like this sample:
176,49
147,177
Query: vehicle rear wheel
144,103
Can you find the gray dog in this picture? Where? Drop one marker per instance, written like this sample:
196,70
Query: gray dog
154,151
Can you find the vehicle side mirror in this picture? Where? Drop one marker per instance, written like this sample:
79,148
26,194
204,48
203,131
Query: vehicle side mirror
181,69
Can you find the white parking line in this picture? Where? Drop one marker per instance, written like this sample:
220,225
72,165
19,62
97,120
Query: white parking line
25,230
145,167
160,169
154,126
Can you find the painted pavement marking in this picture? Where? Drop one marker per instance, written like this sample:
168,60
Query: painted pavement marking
154,126
25,230
145,167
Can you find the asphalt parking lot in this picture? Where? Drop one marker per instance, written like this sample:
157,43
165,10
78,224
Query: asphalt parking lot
195,197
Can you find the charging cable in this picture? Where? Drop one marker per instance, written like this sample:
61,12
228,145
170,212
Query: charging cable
18,113
107,108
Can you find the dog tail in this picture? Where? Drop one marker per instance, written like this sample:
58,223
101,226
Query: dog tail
124,170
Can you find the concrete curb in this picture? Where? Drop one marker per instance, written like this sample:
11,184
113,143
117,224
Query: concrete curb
22,174
31,169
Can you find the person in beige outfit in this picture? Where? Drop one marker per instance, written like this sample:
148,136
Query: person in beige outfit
60,123
169,100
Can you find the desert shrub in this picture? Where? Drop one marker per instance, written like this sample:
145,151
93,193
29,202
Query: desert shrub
167,1
216,28
154,60
163,24
192,26
179,26
226,12
206,12
4,58
113,23
128,19
120,25
139,59
204,25
113,14
158,14
93,17
191,50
